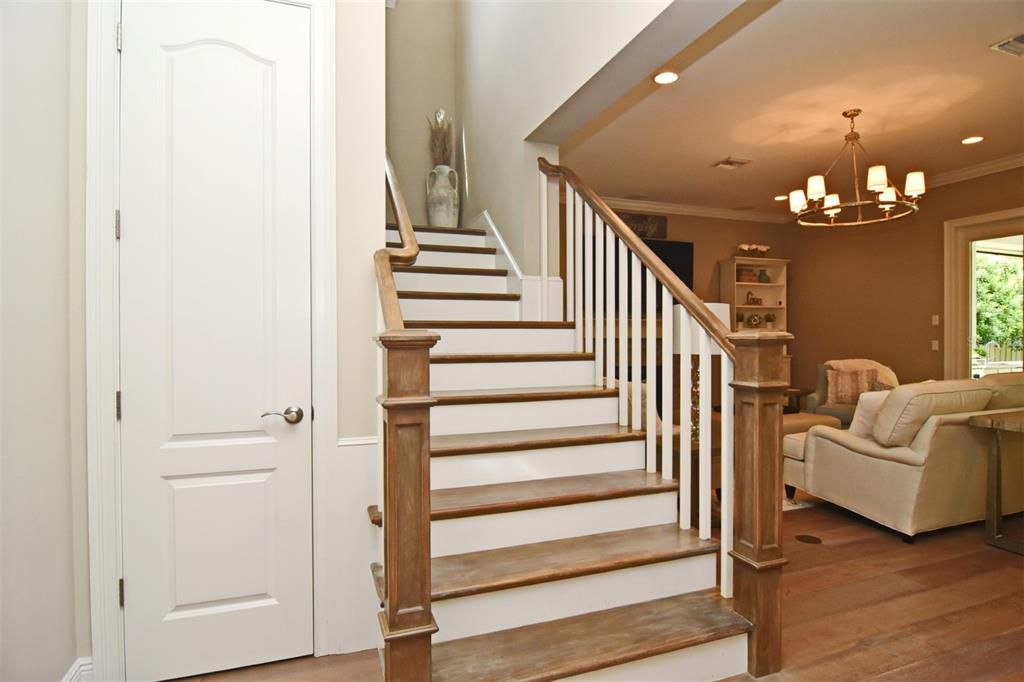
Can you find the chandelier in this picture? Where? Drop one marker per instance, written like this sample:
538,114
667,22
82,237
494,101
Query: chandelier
818,208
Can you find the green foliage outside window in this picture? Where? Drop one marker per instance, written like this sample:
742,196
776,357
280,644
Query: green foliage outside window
999,308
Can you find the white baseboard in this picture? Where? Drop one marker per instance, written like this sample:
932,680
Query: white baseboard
80,670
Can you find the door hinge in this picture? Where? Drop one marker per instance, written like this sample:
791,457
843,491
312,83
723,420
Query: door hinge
117,223
119,36
120,592
312,413
117,405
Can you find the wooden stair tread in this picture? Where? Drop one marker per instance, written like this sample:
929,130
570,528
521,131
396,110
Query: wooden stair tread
571,646
449,248
455,358
518,395
461,575
448,270
487,324
530,439
458,295
443,230
495,498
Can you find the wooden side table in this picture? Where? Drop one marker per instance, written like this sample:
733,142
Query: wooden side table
1011,422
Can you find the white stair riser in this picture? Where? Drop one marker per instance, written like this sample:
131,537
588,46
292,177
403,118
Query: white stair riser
456,260
490,531
443,238
485,468
714,660
505,341
512,608
428,281
481,375
446,309
540,414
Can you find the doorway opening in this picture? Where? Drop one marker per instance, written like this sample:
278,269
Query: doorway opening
997,305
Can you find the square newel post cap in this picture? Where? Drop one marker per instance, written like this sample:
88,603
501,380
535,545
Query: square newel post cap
409,339
759,337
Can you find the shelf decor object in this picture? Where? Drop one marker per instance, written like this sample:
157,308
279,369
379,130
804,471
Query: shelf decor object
882,201
754,287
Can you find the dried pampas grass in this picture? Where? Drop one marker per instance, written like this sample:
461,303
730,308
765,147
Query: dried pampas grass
441,140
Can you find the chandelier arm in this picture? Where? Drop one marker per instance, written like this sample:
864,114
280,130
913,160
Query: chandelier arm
838,156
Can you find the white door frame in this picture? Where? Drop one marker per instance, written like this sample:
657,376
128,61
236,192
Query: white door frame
101,315
957,235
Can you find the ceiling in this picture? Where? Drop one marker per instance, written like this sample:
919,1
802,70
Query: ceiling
922,72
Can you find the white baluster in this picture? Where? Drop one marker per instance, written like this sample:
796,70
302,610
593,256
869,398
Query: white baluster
728,447
598,301
685,418
544,208
577,255
623,338
588,278
609,306
704,466
636,422
650,295
667,383
570,251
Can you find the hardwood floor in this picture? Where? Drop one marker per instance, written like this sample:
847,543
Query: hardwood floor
862,605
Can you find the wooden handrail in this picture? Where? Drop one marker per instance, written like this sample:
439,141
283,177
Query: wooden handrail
406,620
384,258
682,293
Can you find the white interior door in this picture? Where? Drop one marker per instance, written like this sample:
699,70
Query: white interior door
215,331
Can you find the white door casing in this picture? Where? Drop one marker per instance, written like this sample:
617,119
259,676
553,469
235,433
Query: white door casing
215,331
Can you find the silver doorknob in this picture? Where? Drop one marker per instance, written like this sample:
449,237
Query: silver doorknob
292,415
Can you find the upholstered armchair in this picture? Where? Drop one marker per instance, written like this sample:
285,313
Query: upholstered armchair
839,407
910,461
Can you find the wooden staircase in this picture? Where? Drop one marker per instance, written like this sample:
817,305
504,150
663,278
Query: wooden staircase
527,538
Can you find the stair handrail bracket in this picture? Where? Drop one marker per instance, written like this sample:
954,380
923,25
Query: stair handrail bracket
625,303
406,621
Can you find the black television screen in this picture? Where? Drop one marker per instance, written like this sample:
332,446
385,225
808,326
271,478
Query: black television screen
677,255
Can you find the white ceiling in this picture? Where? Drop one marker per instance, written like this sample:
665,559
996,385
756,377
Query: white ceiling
922,71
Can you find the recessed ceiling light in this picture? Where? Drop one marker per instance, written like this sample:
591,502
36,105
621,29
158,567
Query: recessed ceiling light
781,197
973,139
666,77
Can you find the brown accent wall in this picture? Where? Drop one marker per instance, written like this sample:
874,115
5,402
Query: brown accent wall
871,291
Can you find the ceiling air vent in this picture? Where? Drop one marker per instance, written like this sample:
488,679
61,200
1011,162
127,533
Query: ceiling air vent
1012,46
731,163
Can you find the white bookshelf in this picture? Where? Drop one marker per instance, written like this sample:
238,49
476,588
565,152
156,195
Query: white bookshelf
738,294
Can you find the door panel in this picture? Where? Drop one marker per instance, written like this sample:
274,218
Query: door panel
215,306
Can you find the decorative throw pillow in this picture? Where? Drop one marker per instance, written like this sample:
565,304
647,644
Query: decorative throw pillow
868,406
844,388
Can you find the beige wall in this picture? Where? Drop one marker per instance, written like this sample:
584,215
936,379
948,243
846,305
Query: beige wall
871,291
518,61
38,636
420,80
714,239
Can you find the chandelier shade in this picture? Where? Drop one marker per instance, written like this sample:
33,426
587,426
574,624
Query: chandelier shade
881,202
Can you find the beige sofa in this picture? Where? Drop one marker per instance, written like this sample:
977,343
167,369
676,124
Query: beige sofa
910,461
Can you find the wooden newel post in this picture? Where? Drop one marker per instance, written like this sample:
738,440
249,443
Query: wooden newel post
760,387
406,621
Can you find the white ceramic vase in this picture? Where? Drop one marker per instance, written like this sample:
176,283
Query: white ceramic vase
443,197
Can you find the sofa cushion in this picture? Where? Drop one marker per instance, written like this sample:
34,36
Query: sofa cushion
868,406
1007,390
793,446
909,406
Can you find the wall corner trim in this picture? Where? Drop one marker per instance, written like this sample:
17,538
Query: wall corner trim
80,670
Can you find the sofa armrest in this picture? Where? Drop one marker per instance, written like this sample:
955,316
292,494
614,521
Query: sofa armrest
862,446
923,440
813,400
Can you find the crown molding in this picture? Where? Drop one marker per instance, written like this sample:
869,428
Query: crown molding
978,170
639,206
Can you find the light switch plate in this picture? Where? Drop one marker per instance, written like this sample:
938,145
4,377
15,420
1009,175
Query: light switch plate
935,344
935,320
